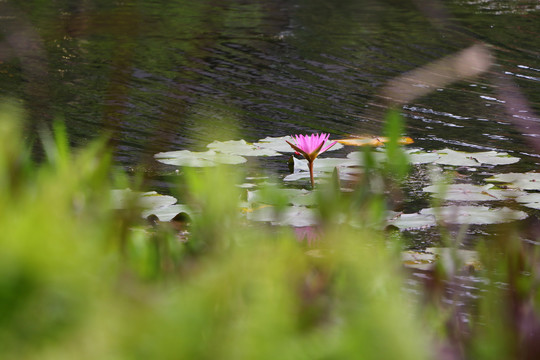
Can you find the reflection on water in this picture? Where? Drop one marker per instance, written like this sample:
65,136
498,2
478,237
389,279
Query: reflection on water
162,75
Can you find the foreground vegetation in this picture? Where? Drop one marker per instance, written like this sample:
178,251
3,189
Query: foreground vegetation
80,279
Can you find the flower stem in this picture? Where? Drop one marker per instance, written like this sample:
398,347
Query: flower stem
310,166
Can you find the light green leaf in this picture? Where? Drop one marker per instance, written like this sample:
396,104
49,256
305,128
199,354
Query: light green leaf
279,144
523,181
470,192
412,221
299,197
198,159
297,216
166,213
461,158
242,148
478,215
122,198
323,164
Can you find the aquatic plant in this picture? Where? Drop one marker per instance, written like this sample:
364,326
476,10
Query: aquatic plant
310,146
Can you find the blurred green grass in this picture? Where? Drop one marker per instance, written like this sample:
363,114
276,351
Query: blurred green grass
81,280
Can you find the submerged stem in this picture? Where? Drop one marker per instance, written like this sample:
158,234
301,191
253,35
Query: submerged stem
310,166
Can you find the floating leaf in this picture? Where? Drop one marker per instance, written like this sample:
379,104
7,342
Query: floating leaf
198,159
477,215
372,141
295,196
419,260
422,157
412,221
242,148
123,198
461,158
323,164
280,144
523,181
166,213
470,192
297,216
530,200
425,260
358,157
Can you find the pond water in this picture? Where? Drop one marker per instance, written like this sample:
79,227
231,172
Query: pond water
168,75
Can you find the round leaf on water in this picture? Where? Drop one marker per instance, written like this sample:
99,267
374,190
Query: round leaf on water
149,200
297,216
198,159
279,144
422,157
474,215
168,212
419,260
323,164
295,196
523,181
358,157
425,260
461,158
412,221
372,141
241,147
530,200
470,192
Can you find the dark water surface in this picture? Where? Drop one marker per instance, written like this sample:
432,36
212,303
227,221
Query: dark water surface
168,75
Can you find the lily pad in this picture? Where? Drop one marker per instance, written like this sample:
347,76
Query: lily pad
297,216
323,164
299,197
166,213
412,221
530,200
358,157
280,144
242,148
372,141
474,215
198,159
420,260
523,181
461,158
122,198
421,157
470,192
426,260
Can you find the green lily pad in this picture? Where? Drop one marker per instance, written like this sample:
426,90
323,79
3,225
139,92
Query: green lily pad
412,221
166,213
242,148
470,192
323,164
279,144
426,260
523,181
421,157
121,198
299,197
530,200
345,174
198,159
461,158
358,156
474,215
297,216
420,260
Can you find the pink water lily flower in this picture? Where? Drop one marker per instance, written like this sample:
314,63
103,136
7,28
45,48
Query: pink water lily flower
310,146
